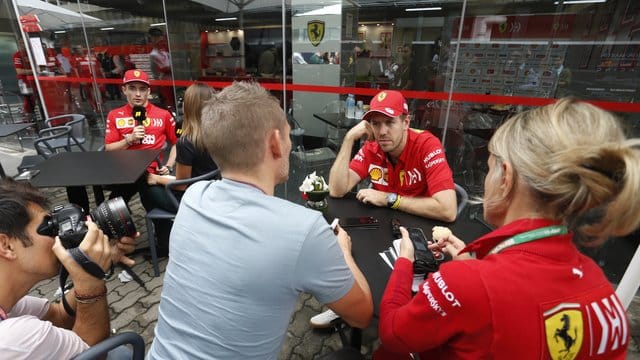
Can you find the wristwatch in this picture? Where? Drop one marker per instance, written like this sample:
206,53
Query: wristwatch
391,199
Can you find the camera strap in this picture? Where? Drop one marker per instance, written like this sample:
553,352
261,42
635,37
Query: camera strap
88,265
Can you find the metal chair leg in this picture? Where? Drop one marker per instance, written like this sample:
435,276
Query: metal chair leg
151,237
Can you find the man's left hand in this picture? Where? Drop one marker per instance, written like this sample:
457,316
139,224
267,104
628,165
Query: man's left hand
121,247
372,197
165,170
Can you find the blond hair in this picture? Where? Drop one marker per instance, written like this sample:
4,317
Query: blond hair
578,163
235,124
194,100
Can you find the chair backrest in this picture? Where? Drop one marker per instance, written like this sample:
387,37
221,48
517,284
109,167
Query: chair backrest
463,198
172,185
51,140
98,350
78,123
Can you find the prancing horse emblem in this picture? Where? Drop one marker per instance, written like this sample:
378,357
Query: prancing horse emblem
315,31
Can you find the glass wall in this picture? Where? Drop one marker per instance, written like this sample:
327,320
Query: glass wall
464,66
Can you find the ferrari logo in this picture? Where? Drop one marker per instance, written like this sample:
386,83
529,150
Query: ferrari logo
146,122
502,27
382,95
565,332
315,31
136,73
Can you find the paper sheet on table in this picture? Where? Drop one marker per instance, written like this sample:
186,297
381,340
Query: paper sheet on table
390,256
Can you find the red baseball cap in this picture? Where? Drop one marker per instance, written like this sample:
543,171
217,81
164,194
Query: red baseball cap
135,75
388,102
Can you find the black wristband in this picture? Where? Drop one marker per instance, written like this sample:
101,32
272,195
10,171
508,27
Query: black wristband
87,264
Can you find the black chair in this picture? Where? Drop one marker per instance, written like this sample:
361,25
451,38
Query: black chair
99,350
78,124
350,346
50,141
462,197
161,214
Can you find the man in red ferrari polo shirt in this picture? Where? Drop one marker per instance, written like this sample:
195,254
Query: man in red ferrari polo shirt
407,168
125,132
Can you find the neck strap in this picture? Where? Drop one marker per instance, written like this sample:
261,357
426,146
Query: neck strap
528,236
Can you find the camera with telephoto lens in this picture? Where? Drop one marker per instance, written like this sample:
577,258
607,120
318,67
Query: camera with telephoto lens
68,222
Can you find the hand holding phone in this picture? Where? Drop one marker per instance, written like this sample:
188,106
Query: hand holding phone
334,225
425,262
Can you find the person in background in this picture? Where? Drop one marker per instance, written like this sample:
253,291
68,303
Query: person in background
161,66
26,87
32,327
113,69
86,65
192,159
407,168
558,175
152,132
235,274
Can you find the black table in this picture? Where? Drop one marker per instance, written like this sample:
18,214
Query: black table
10,129
368,243
337,120
75,170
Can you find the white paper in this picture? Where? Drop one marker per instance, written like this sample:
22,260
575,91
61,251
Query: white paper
384,257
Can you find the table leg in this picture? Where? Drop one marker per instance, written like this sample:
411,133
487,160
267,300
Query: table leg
356,338
98,194
78,195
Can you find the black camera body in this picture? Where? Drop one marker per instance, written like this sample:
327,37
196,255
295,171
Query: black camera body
68,222
69,219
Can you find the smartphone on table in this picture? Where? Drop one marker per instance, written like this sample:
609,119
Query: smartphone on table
360,222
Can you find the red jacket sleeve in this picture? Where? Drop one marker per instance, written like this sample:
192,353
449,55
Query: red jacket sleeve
450,302
170,129
360,162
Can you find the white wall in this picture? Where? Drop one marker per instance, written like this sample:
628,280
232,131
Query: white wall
305,104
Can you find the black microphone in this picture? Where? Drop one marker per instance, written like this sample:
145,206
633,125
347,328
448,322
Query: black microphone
139,115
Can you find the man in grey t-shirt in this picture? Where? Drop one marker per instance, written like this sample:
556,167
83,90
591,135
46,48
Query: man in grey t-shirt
240,256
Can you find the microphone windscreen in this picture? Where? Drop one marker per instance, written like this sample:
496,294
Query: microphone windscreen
139,113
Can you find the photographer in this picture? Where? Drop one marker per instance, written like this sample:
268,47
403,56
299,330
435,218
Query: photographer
31,327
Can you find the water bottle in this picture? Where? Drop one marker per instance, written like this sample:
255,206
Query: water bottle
351,106
359,109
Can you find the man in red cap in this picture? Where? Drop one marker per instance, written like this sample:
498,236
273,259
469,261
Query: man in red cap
407,168
140,125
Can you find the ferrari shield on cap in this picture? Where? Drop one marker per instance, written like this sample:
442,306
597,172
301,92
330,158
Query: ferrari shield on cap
135,75
388,102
